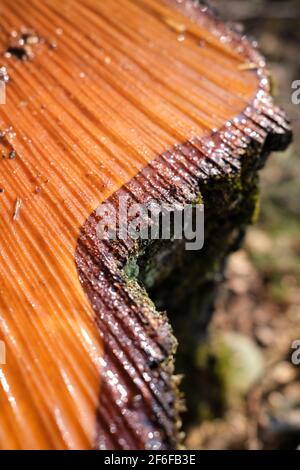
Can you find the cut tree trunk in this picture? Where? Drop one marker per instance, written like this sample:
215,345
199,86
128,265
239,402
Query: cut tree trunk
148,99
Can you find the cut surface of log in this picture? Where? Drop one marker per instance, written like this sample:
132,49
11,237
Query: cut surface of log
144,98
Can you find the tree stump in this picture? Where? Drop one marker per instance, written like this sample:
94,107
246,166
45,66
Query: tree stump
152,100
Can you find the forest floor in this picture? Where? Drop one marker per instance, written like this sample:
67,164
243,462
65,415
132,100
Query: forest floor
258,312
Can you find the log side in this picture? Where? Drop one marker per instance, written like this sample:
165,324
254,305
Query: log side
155,99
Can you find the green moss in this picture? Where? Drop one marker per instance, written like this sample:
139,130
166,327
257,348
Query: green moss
131,268
257,206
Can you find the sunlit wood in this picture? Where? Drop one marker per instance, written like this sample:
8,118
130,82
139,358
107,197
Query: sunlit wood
103,89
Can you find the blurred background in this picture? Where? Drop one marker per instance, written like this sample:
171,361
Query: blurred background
251,399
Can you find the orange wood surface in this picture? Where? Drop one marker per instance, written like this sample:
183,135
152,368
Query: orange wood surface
111,85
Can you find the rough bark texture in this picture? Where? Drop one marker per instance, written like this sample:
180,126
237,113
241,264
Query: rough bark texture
227,183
